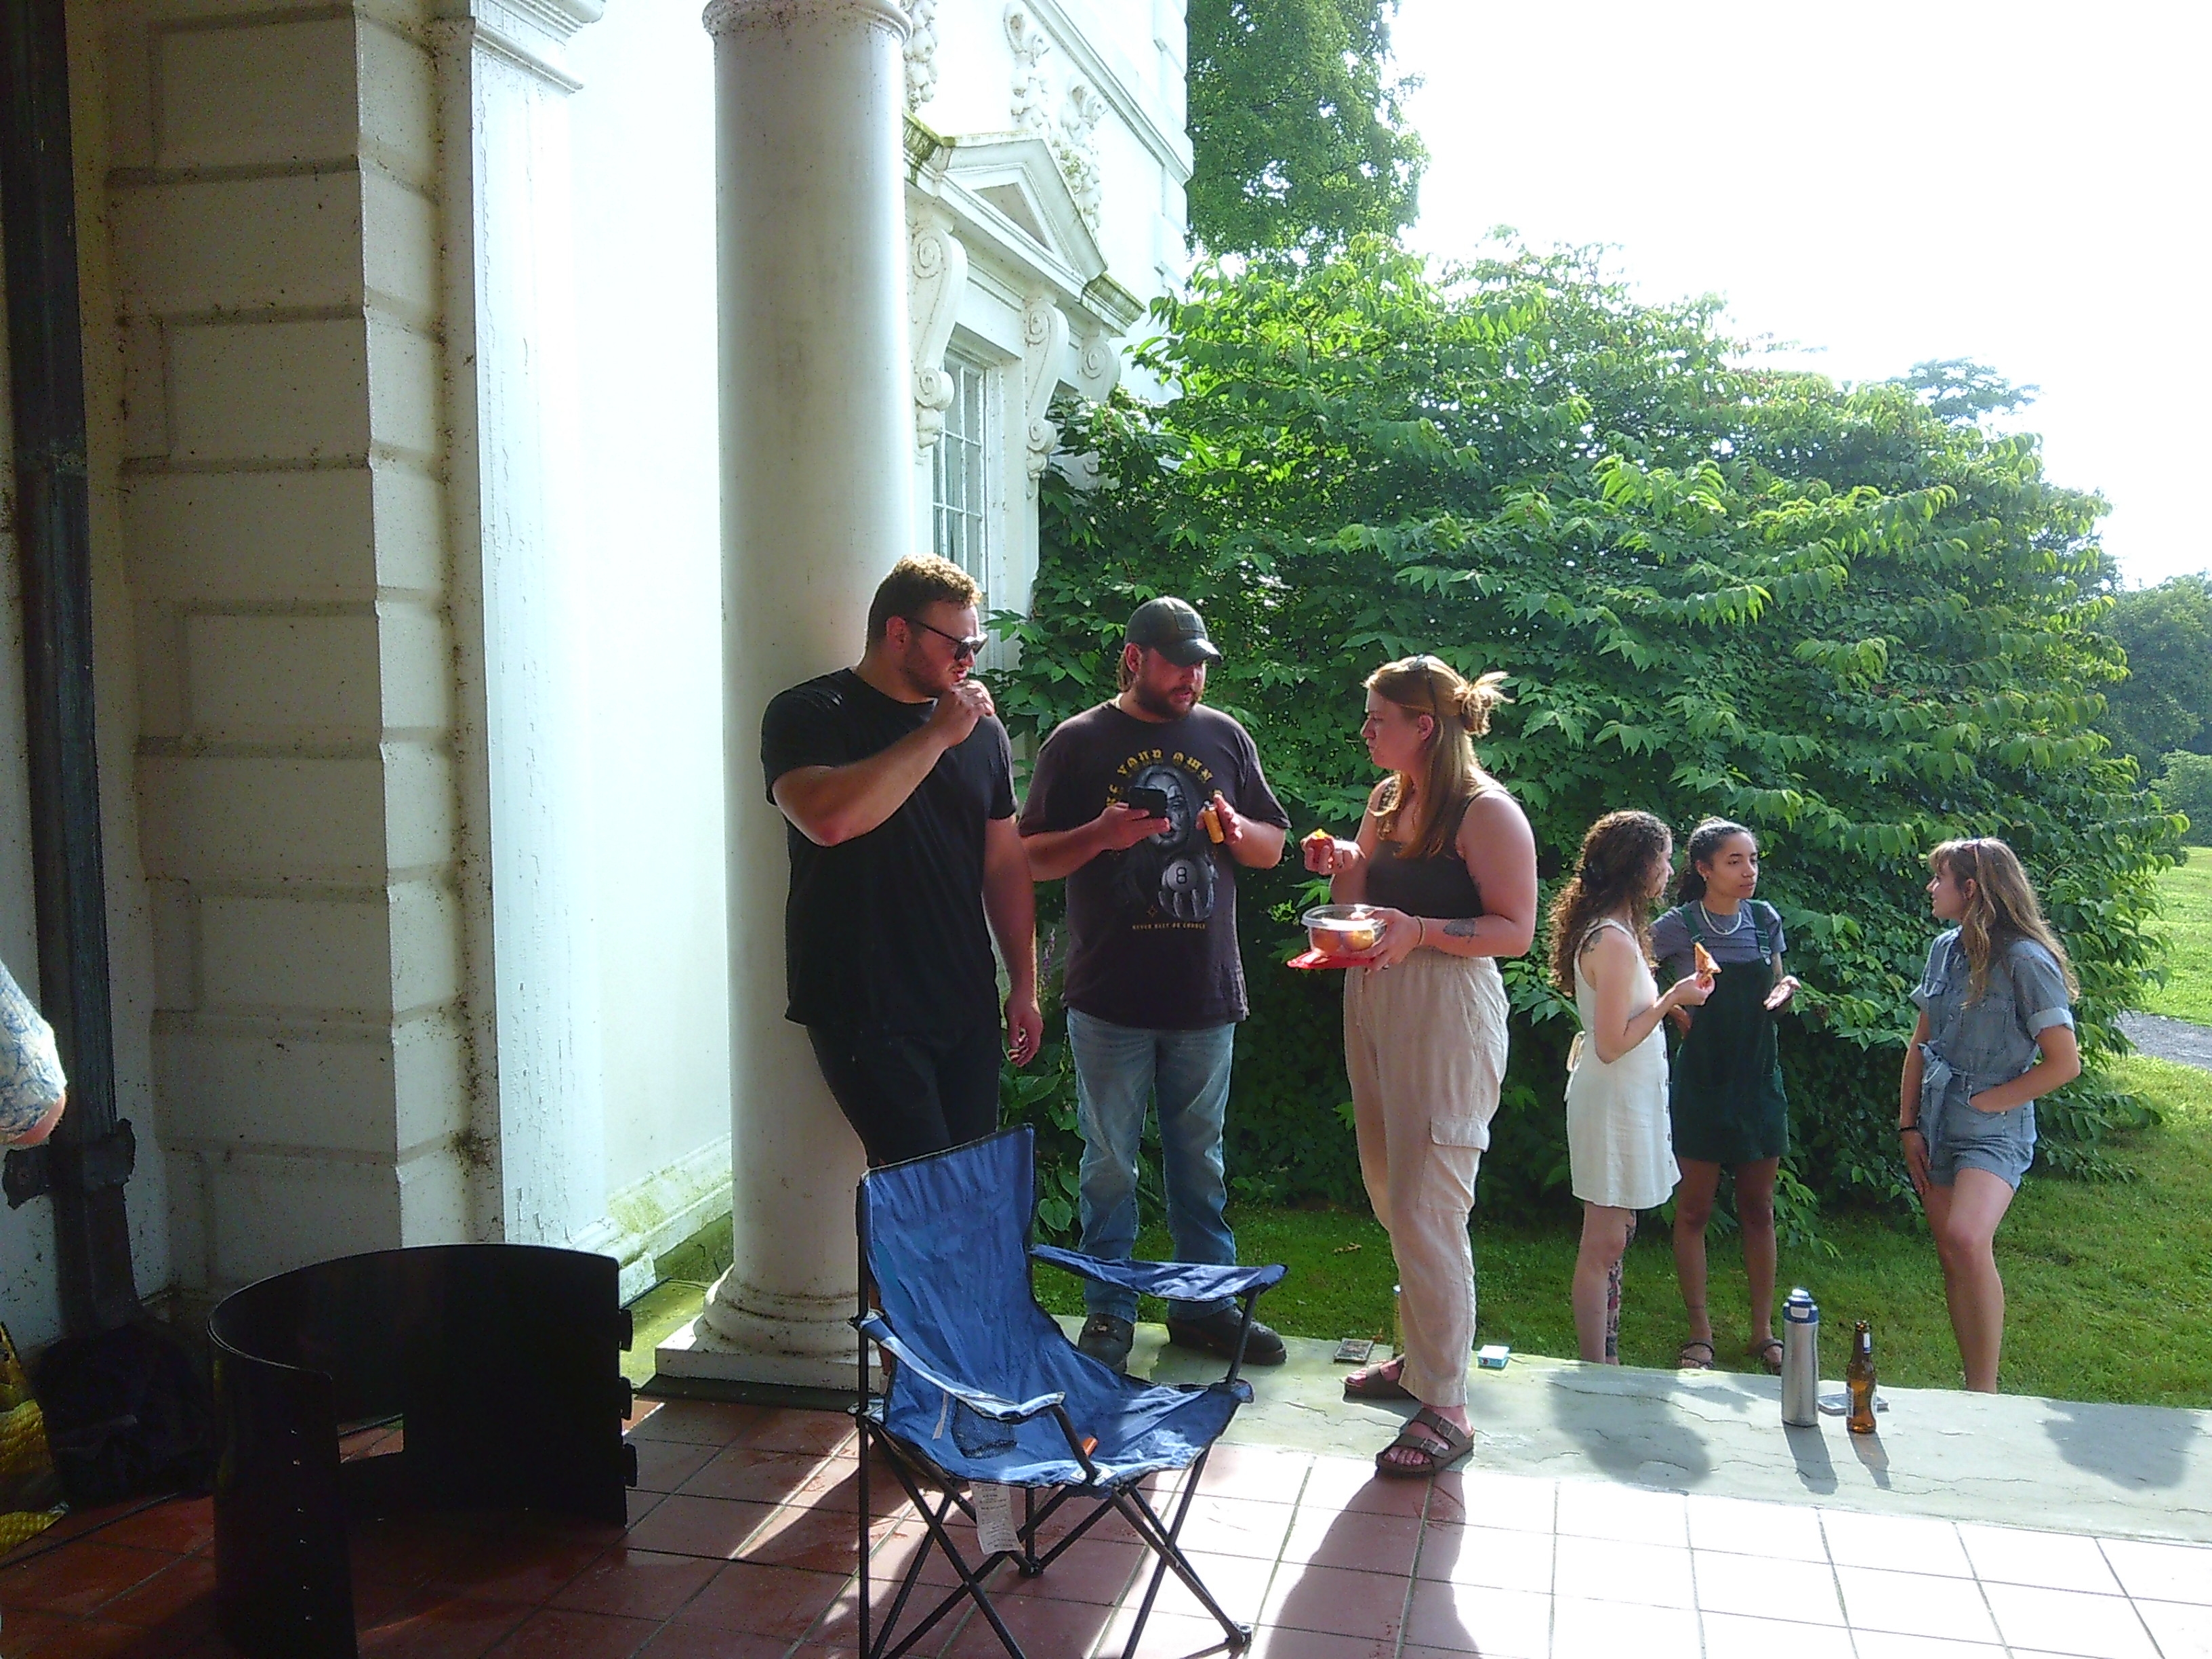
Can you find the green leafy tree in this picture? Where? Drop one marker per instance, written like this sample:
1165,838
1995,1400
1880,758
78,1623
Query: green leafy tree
2166,702
2185,785
1828,612
1957,389
1296,128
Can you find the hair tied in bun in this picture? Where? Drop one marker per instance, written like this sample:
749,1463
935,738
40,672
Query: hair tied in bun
1449,776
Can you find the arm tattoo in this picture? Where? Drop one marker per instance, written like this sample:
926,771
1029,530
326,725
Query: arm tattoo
1462,927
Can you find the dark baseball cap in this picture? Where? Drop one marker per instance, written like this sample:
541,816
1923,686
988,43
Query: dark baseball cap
1174,631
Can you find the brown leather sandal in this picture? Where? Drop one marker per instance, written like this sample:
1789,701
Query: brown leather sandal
1375,1382
1685,1360
1767,1351
1436,1441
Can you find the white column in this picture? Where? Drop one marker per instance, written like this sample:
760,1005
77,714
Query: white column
817,447
519,592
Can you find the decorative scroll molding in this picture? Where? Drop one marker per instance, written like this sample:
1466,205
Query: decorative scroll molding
1044,347
1031,103
937,273
726,16
1098,365
1168,144
1076,148
921,53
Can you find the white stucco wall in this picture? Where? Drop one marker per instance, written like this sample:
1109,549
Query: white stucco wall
643,132
294,647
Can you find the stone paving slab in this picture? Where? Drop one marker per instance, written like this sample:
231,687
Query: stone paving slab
2013,1460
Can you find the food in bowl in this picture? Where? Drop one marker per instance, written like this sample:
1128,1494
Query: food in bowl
1343,930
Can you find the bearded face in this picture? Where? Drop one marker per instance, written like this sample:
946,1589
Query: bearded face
1165,690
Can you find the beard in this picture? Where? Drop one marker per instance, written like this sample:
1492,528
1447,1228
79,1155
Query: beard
1162,705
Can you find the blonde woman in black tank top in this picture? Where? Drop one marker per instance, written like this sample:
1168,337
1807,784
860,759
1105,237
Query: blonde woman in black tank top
1446,855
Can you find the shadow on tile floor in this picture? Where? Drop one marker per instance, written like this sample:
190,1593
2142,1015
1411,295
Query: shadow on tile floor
744,1532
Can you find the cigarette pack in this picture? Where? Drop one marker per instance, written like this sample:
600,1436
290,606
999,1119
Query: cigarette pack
1492,1356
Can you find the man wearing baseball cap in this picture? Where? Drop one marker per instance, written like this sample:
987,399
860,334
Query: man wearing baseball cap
1148,805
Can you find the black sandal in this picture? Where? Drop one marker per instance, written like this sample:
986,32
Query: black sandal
1686,1361
1436,1441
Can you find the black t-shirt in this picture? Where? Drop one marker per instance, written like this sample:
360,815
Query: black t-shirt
888,929
1153,929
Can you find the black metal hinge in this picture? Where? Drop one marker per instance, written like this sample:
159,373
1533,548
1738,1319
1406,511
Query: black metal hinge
81,1167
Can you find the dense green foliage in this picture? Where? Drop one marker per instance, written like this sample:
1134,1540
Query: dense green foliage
2184,785
1295,128
1855,622
2166,702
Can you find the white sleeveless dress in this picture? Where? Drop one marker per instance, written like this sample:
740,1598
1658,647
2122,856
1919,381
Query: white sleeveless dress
1619,1152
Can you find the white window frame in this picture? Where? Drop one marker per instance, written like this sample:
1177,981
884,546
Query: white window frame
964,474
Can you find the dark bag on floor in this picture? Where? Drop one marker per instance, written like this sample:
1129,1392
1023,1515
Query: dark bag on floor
127,1415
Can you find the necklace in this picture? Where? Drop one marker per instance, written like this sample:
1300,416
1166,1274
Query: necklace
1719,932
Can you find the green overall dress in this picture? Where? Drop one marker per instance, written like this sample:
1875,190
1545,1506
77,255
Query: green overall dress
1725,1085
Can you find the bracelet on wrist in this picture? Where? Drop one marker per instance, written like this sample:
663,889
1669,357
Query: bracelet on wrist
1422,923
1911,1129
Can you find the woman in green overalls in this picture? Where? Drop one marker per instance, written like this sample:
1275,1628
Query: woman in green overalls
1725,1082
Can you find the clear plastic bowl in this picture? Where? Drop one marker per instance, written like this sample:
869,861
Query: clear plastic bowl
1343,930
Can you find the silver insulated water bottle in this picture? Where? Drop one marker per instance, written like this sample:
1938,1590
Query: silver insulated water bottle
1801,1360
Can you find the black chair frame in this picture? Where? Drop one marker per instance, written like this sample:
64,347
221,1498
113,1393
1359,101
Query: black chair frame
918,1473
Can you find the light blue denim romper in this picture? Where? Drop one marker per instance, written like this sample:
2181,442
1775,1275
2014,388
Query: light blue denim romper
1973,1047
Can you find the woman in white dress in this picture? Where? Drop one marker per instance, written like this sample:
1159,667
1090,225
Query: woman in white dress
1617,1151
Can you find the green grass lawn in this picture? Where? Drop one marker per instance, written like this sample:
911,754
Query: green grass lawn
2186,892
2110,1284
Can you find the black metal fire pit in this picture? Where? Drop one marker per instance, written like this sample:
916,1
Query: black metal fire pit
504,1362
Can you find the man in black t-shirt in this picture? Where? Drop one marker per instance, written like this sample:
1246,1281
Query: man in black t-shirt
1148,805
898,780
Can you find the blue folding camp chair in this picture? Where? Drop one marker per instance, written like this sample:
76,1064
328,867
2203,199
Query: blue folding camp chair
985,1386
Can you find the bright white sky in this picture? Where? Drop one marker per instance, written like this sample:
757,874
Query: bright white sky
2026,183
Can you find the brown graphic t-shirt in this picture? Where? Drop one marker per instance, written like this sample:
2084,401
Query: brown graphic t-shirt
1153,929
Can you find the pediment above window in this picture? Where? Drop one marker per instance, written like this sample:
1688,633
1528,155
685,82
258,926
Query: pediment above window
1011,205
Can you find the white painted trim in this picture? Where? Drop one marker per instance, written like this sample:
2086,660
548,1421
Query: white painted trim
532,34
725,16
951,173
1116,81
537,1127
685,1196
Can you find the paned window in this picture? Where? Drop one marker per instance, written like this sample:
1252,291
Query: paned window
962,490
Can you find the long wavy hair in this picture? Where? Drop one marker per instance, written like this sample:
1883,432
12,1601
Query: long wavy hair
1450,777
1612,877
2001,909
1705,843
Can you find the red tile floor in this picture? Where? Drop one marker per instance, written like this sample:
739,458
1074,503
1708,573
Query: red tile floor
740,1545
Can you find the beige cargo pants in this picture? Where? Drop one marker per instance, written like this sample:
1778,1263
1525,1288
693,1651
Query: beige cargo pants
1424,1046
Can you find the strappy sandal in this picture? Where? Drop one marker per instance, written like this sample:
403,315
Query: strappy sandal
1375,1382
1767,1351
1687,1360
1437,1442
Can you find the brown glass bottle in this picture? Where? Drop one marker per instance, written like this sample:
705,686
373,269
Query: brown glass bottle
1858,1378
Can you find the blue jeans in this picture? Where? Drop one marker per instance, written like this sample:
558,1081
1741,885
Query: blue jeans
1118,1070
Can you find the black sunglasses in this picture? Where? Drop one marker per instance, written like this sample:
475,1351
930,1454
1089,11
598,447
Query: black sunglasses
967,647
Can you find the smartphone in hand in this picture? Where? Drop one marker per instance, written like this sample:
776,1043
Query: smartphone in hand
1151,802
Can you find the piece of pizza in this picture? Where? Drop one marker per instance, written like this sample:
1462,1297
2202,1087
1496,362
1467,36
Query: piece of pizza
1703,958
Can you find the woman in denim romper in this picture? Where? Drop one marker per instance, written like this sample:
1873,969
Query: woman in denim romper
1995,1032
